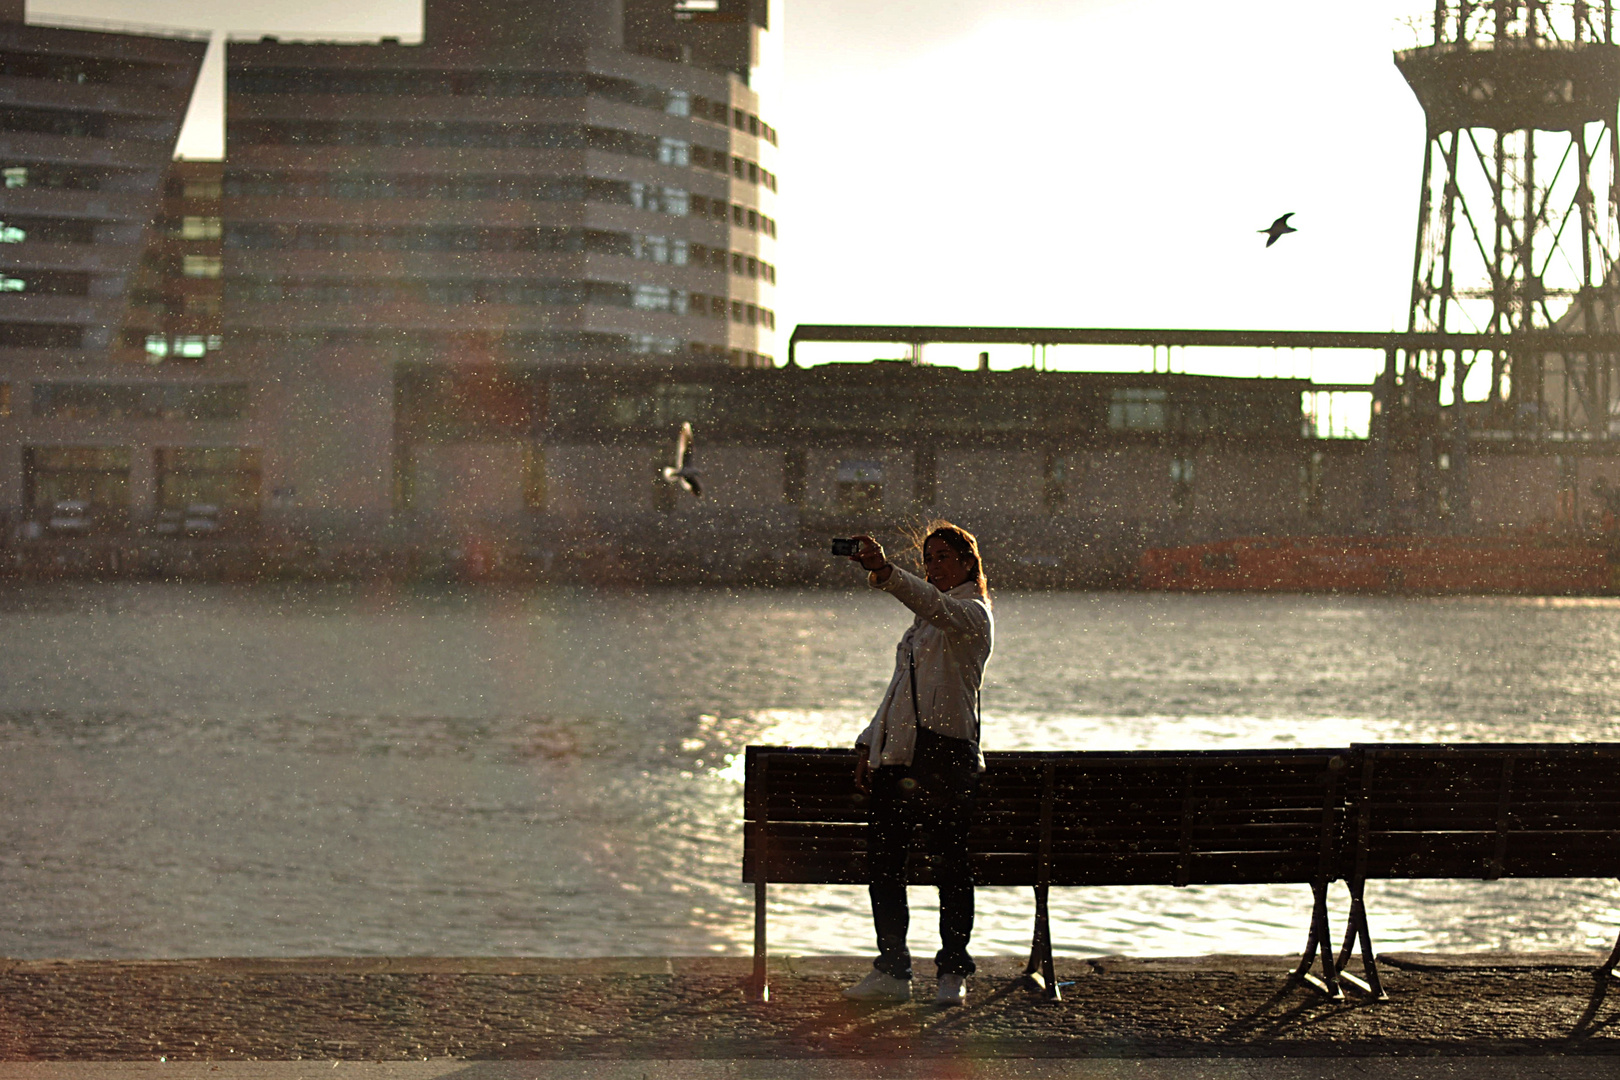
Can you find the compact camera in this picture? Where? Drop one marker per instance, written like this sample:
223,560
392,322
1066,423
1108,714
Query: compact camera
847,549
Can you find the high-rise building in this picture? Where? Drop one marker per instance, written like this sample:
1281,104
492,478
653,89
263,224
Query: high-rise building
536,184
88,124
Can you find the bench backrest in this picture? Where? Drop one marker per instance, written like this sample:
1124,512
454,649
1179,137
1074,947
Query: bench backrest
1484,811
1070,818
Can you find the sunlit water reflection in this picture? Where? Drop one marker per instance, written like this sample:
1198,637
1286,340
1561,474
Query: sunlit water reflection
214,770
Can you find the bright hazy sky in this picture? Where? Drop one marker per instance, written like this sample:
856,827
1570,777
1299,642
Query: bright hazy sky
1046,162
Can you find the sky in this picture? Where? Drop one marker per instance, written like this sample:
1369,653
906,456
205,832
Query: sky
1045,162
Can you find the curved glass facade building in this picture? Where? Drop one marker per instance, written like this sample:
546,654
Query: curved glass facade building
572,182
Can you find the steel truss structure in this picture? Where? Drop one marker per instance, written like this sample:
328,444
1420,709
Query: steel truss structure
1518,225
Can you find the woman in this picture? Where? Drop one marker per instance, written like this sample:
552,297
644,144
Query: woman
919,758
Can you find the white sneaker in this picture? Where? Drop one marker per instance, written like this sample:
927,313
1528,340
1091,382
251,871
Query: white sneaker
952,990
880,987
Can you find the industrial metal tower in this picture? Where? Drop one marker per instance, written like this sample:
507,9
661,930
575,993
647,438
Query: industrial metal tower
1518,228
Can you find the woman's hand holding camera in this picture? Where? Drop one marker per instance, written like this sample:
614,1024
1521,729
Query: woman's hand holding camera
870,555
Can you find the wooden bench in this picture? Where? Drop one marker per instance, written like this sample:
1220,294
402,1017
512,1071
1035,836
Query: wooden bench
1071,818
1485,811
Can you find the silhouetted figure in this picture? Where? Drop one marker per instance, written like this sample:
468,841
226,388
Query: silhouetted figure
1276,229
682,472
918,761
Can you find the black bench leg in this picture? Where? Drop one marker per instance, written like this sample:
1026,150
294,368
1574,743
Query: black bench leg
1371,985
757,987
1320,941
1607,971
1040,971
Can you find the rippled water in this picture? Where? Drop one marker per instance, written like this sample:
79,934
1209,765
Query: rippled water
215,770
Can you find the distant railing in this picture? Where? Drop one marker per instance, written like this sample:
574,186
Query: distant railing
1330,410
1556,23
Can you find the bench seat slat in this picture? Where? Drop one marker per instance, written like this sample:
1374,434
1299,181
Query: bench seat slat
1017,869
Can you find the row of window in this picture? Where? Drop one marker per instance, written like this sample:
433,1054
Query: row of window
495,135
45,282
742,217
658,198
183,347
740,168
41,336
54,122
223,477
542,84
16,230
517,293
548,239
65,177
80,70
438,345
1149,409
719,112
720,307
140,401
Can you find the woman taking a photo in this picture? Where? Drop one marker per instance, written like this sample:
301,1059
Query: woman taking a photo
919,758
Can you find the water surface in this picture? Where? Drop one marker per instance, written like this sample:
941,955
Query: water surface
195,770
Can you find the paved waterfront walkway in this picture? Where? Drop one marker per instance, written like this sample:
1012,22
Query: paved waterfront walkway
686,1019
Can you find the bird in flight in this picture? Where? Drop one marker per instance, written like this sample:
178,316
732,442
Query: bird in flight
682,472
1276,229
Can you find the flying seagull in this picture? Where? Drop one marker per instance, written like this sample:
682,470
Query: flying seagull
682,472
1277,228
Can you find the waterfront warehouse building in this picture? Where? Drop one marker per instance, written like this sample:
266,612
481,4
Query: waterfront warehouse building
88,123
536,185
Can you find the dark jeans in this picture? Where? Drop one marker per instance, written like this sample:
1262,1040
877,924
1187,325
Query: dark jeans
934,794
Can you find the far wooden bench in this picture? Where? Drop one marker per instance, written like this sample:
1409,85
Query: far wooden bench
1212,817
1484,811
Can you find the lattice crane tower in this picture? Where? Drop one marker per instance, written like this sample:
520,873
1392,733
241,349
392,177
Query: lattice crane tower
1519,217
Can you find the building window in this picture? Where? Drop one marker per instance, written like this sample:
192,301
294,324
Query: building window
674,151
160,347
193,227
1181,482
95,475
1310,485
5,399
860,486
201,266
202,189
12,284
1055,482
1136,409
16,176
224,477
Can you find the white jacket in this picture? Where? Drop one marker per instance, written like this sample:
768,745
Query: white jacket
948,642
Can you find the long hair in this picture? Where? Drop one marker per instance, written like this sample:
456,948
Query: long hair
964,543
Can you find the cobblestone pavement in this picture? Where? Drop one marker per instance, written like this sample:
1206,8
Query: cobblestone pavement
403,1009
